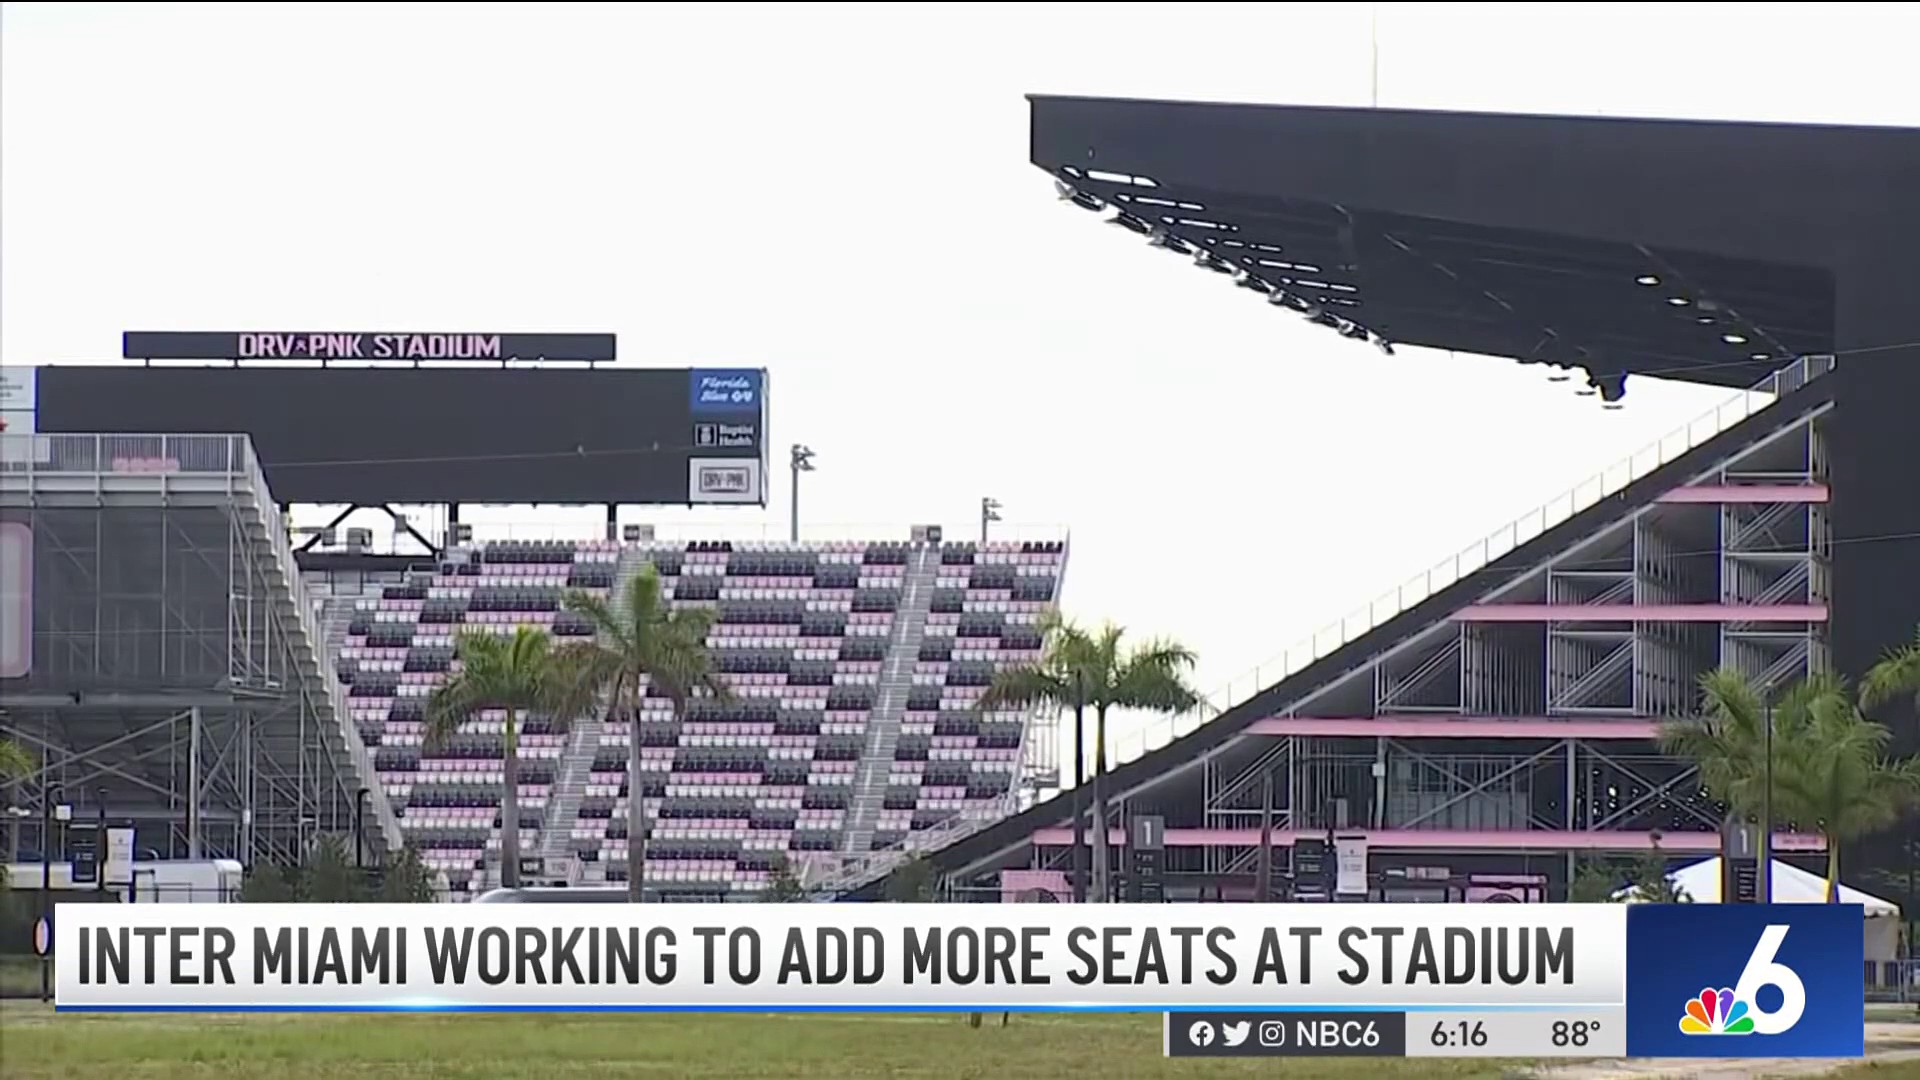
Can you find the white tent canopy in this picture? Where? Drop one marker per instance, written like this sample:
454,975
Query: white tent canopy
1791,885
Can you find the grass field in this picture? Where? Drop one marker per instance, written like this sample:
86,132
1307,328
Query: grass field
1902,1070
35,1044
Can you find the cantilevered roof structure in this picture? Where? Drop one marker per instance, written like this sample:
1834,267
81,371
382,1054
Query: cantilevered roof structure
1700,251
1709,252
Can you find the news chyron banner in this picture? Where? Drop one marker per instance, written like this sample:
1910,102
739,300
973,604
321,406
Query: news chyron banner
1701,980
1490,980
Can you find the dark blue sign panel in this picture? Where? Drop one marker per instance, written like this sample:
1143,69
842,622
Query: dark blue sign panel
1746,980
724,390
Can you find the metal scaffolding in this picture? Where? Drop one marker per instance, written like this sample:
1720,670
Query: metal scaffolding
169,687
1757,552
1511,743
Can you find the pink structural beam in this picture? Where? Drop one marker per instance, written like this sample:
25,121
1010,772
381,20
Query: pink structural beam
1748,493
1460,839
1456,727
1681,613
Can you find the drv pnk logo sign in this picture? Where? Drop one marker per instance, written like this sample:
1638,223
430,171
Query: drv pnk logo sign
1789,978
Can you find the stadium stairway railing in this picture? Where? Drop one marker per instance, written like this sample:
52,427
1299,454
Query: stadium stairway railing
868,867
1751,402
858,868
272,522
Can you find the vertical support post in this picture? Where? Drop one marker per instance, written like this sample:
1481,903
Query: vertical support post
1379,815
249,780
100,840
793,526
1573,750
48,791
193,783
1766,822
1264,888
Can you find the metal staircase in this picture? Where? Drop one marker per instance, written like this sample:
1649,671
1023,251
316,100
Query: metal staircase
896,684
336,617
266,531
576,768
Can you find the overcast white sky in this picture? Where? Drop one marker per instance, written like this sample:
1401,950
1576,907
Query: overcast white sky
842,195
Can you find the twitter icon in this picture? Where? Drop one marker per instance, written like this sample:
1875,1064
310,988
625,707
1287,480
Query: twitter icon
1235,1034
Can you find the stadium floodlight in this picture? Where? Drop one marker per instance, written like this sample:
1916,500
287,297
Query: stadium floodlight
1068,193
1160,238
1131,223
801,460
1312,311
1383,344
1248,281
989,512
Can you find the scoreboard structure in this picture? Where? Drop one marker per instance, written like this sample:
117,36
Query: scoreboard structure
442,418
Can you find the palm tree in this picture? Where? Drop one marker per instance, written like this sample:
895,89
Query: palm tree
521,674
1896,675
1835,774
15,762
1151,678
650,643
1826,767
1726,740
1056,682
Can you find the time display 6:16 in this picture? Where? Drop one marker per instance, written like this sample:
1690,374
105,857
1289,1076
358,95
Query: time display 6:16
1462,1033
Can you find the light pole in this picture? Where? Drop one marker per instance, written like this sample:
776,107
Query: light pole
48,812
802,461
1766,821
989,513
100,841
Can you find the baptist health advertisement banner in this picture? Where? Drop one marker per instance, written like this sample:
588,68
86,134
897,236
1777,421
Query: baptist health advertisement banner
1706,980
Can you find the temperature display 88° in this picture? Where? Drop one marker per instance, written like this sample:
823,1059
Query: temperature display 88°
1594,1033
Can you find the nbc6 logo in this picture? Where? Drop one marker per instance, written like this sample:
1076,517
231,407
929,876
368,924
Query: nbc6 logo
1763,970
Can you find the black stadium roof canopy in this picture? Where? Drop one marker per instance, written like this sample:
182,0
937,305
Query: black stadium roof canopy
1603,244
1692,250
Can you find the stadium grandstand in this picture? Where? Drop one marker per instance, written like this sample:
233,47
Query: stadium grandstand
1476,733
231,686
854,667
230,689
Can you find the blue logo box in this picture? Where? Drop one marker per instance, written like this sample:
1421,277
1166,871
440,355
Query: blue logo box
1746,980
724,390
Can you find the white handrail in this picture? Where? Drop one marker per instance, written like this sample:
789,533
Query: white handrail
1608,482
303,610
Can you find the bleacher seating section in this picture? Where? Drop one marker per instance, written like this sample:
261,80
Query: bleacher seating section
802,636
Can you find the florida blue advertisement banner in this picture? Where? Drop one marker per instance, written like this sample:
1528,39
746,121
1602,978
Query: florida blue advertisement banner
724,390
1746,980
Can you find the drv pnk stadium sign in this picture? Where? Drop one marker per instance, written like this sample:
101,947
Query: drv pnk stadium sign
363,345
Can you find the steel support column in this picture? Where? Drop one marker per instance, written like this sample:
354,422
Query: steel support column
193,783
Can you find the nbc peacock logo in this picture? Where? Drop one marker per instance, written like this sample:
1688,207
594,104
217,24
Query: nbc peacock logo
1716,1012
1735,1012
